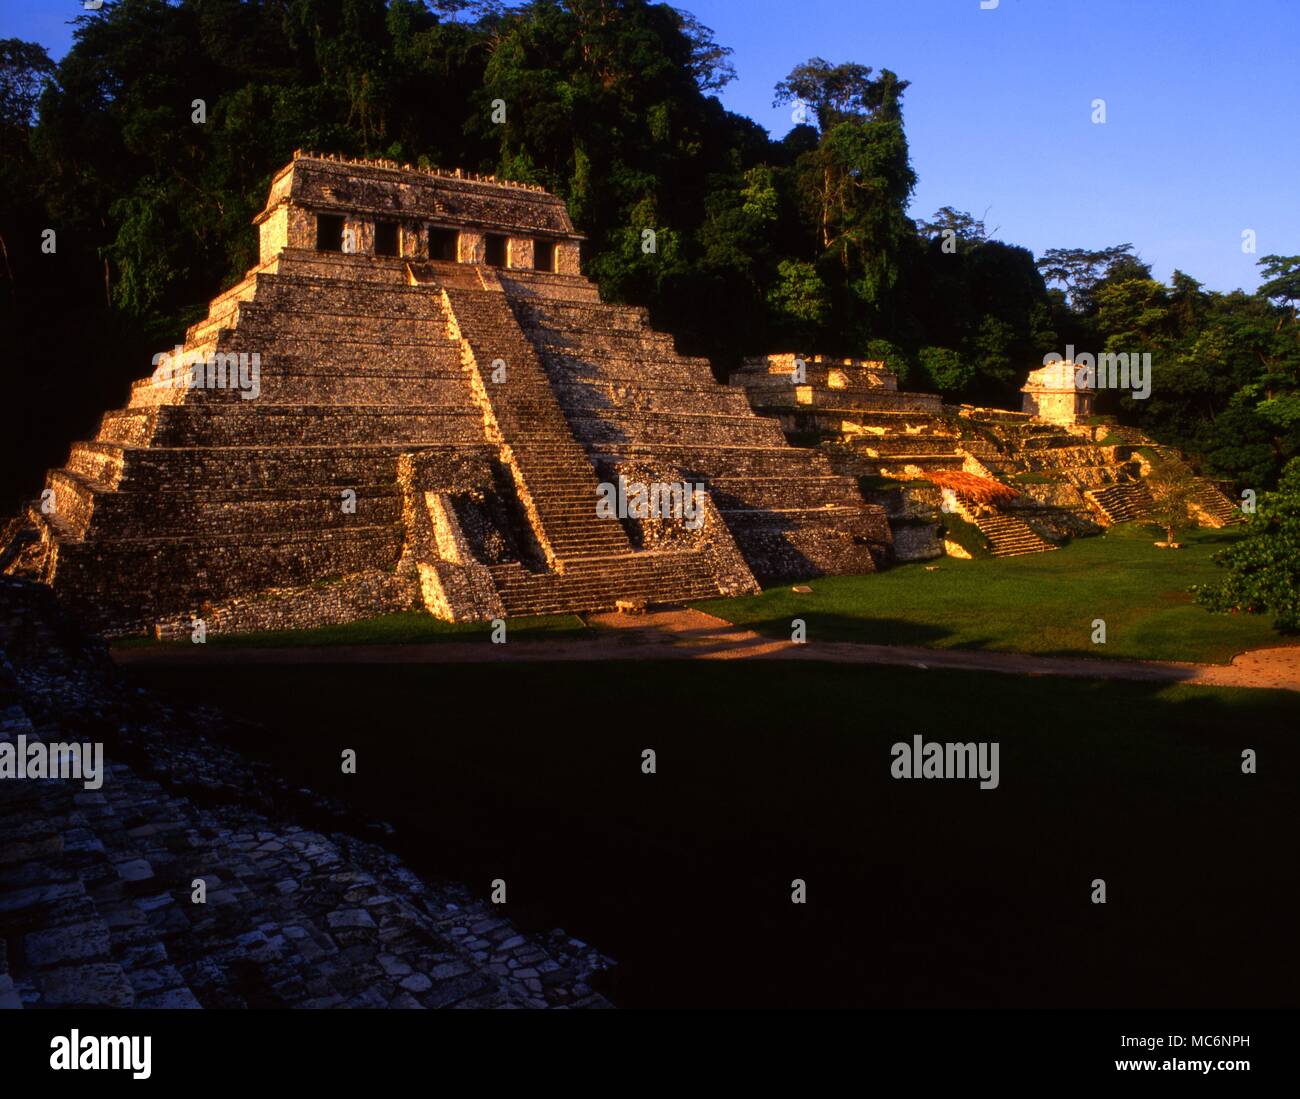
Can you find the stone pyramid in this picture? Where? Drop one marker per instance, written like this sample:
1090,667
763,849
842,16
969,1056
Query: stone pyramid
413,401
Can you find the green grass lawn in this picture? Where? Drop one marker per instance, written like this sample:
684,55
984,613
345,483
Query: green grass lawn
1041,603
407,628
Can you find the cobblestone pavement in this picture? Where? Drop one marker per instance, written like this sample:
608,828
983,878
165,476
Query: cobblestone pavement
97,886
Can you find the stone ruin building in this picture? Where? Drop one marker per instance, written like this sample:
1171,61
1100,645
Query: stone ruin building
1052,394
411,402
1027,480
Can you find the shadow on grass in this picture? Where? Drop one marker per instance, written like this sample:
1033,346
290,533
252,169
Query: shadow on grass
920,893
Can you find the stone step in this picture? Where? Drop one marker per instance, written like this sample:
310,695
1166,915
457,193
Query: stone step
1121,502
207,469
560,480
1010,536
124,515
900,446
130,581
338,267
600,582
621,368
435,389
248,423
97,461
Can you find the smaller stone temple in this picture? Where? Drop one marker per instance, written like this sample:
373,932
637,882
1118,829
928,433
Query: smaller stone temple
1051,393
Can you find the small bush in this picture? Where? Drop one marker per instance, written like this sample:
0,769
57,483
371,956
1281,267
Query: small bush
967,535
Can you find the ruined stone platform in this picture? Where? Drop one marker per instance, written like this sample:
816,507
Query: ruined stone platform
1063,480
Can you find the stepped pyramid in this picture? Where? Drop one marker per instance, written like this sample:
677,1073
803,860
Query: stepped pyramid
413,400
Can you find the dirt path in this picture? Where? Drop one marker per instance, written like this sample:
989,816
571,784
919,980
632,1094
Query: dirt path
686,634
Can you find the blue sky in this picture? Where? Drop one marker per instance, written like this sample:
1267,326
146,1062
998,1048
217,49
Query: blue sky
1202,132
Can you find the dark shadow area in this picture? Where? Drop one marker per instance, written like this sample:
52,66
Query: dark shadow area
920,892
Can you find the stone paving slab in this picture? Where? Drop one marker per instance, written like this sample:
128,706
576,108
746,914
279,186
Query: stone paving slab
97,887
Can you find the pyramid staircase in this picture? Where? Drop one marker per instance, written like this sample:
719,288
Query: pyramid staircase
1008,535
1215,505
1125,502
590,561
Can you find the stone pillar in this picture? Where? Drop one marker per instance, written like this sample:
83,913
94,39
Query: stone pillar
519,253
415,240
363,234
568,259
285,227
472,247
273,234
301,227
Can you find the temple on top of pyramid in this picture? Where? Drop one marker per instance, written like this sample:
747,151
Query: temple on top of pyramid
1053,393
380,209
415,400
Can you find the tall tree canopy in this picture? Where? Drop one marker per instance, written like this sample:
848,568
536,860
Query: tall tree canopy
738,243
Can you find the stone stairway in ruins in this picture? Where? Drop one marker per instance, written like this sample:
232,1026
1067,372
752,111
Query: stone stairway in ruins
907,445
1010,536
855,409
1126,502
592,562
1216,506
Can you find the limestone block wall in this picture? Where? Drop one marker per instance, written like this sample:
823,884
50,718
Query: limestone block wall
273,233
365,594
453,584
777,370
286,226
1054,406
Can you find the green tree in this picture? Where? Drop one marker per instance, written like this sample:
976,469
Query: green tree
856,185
1173,487
1079,270
836,93
798,301
1264,567
964,227
1282,281
944,370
